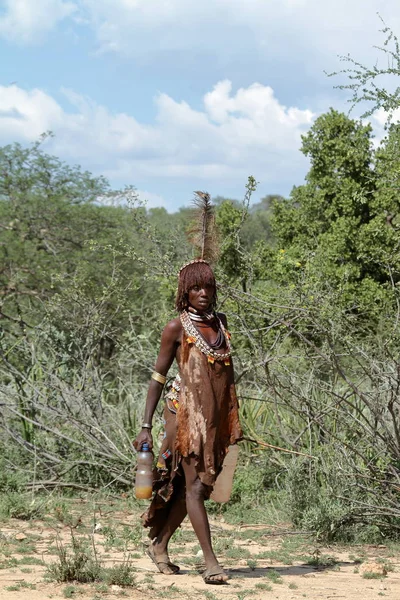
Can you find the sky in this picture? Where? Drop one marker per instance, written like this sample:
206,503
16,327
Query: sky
172,96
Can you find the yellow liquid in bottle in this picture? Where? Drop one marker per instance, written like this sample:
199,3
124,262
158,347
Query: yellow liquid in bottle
143,492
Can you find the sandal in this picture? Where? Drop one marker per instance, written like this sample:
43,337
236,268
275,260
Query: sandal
208,575
162,563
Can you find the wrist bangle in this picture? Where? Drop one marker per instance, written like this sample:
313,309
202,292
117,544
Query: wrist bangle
147,426
158,377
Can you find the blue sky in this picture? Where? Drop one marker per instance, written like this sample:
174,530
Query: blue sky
176,95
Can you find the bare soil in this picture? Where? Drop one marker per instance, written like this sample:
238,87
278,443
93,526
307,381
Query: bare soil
262,561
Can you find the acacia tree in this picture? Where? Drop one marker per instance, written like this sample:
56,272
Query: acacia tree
341,224
47,213
374,87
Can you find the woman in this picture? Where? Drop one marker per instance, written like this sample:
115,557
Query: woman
201,418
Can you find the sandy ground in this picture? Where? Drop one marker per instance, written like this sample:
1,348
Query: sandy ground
256,558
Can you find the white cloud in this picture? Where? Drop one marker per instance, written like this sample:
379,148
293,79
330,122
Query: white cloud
380,117
150,199
133,197
226,30
379,120
282,28
27,21
26,115
234,135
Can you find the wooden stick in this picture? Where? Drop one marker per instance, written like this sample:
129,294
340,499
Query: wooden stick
265,445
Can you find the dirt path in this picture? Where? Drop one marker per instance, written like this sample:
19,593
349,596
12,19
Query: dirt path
262,561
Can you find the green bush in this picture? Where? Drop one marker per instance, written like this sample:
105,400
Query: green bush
79,565
19,506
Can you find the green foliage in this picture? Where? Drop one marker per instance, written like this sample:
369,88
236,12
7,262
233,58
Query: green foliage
10,481
322,560
21,585
273,576
80,564
70,591
235,259
122,574
263,586
371,575
16,505
376,86
323,499
310,287
336,227
251,563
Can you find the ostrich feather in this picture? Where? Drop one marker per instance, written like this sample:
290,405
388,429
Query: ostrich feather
202,233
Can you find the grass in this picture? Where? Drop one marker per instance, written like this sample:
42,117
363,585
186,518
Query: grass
237,553
183,536
70,591
386,564
221,544
277,556
21,585
15,505
263,586
112,540
133,534
242,595
63,513
293,548
10,563
30,560
358,560
12,588
210,596
371,575
273,576
80,564
252,564
24,548
101,587
321,560
122,574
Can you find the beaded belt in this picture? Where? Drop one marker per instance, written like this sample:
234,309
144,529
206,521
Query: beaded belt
172,396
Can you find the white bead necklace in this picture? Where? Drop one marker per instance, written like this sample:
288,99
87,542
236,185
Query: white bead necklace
198,340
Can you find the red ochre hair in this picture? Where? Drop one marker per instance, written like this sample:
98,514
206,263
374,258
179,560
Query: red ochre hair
194,274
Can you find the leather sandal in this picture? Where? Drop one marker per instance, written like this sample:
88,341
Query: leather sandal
208,575
162,563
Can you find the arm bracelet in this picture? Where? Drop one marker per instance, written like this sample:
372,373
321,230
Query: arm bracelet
158,377
147,426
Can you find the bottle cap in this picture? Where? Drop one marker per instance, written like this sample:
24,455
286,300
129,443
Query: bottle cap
145,447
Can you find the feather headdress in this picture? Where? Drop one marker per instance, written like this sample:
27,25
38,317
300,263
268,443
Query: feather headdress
203,233
203,236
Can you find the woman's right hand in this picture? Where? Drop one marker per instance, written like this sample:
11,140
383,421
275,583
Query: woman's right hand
144,437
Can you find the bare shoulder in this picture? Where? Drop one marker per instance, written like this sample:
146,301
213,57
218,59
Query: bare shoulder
173,329
222,317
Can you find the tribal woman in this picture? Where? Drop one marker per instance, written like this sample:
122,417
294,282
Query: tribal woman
200,417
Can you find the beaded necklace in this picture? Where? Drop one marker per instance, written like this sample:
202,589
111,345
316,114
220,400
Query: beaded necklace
194,337
203,317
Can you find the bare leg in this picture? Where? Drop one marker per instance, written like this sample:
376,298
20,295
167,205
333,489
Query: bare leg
195,495
160,545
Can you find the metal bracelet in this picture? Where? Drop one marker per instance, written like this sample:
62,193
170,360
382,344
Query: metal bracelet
158,377
147,426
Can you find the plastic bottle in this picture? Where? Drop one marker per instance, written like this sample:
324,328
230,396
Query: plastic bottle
144,473
223,485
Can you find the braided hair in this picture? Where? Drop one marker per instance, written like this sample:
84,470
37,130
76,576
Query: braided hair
191,275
